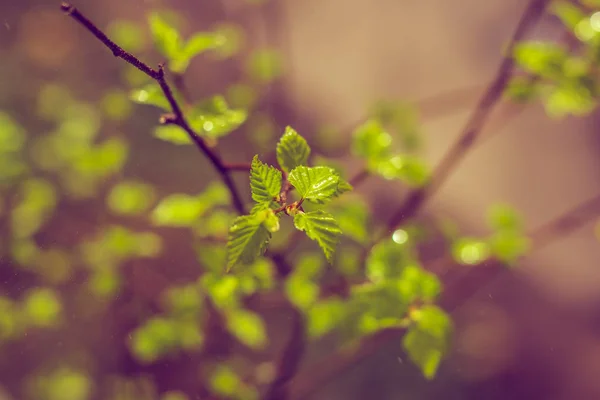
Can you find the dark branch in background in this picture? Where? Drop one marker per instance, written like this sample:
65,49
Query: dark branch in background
159,76
475,124
338,363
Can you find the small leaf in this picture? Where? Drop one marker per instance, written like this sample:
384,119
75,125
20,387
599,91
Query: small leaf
316,184
172,134
166,38
265,65
470,251
248,327
321,227
265,181
151,94
324,316
569,98
509,246
371,140
409,169
427,341
504,217
540,58
521,89
248,239
292,150
213,118
352,216
195,45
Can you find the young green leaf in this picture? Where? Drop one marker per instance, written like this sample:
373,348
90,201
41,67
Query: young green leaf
427,341
151,94
321,227
248,239
292,150
195,45
213,118
317,184
173,134
265,181
541,58
372,141
166,38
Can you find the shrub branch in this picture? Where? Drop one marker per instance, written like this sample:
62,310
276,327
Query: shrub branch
178,117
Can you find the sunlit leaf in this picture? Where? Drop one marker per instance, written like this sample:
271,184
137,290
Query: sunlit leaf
470,251
225,382
315,184
151,94
541,58
292,150
213,118
509,246
569,98
247,327
427,340
12,135
324,316
372,141
387,260
321,227
155,338
568,13
504,217
248,239
38,198
410,169
265,181
353,218
195,45
301,291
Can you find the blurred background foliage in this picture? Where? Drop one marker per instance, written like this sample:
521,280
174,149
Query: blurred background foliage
112,248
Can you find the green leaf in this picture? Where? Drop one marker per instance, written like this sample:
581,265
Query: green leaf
317,184
213,118
470,251
265,181
292,150
353,218
248,327
321,227
324,316
504,217
195,45
509,246
372,141
130,197
248,239
166,38
540,58
427,341
387,260
265,65
42,307
409,169
151,94
569,98
172,134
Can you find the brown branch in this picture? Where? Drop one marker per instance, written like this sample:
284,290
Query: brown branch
474,126
159,76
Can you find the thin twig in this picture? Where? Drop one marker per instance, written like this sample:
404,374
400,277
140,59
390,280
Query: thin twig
159,76
474,126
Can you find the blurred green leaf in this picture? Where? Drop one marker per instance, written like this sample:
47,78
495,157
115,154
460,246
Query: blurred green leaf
154,339
213,118
225,382
301,291
129,35
292,150
504,217
38,198
470,251
166,38
410,169
387,260
247,327
150,94
321,227
183,300
42,307
372,141
66,384
315,184
130,197
569,98
427,340
248,239
173,134
541,58
265,65
12,135
116,105
195,45
508,246
182,210
265,181
324,316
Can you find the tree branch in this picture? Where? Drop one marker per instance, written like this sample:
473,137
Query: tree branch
159,76
474,126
